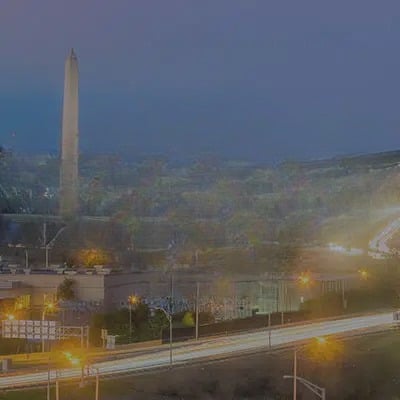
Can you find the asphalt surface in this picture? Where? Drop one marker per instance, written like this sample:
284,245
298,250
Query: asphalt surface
208,349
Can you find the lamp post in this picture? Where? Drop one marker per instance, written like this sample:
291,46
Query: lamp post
344,300
97,384
76,361
49,306
269,331
97,377
316,389
132,300
48,378
295,374
26,258
169,317
304,280
319,391
57,388
197,309
363,274
48,245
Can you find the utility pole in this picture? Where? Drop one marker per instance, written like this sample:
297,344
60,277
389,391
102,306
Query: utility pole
269,330
48,378
45,243
277,296
295,375
170,340
344,301
197,309
97,385
47,257
170,318
171,292
42,326
130,322
82,336
26,258
45,246
57,388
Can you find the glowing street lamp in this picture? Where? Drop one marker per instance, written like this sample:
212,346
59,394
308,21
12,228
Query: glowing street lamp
11,317
72,359
319,391
363,274
320,341
48,306
79,362
75,362
132,300
304,279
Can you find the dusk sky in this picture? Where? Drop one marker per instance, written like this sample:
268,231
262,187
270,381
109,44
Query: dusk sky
248,79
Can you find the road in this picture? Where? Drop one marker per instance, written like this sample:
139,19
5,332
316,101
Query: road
211,348
378,246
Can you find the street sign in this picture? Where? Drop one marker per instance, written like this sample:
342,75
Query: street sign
29,329
110,342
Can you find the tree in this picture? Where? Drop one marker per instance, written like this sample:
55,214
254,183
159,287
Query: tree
65,290
91,257
188,319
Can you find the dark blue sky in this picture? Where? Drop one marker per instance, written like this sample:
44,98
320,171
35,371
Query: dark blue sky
252,79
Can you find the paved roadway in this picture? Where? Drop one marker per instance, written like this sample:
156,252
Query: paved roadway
379,244
211,348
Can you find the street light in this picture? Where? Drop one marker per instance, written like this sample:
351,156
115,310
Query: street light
321,341
363,274
169,317
47,307
96,396
48,379
76,362
319,391
304,279
26,258
132,300
48,245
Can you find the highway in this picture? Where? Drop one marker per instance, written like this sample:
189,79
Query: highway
210,349
378,246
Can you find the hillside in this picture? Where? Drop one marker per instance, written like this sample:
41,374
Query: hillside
195,208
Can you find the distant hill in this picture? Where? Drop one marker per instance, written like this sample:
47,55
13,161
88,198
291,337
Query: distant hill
371,160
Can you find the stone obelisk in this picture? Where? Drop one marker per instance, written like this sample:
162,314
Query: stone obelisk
69,191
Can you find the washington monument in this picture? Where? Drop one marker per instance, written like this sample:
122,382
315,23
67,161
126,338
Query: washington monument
69,192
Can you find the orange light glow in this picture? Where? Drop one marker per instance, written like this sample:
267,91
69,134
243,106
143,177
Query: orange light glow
304,279
363,273
133,299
